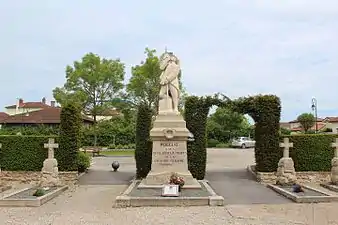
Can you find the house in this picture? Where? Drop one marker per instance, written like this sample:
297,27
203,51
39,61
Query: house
47,116
34,114
107,114
332,123
285,125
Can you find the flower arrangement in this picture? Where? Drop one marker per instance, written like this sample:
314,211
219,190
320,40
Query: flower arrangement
177,180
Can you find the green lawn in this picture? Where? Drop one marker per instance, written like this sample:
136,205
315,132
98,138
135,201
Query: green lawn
118,153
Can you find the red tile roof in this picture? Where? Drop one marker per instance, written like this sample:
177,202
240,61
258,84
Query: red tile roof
318,120
332,119
320,127
49,115
3,116
31,105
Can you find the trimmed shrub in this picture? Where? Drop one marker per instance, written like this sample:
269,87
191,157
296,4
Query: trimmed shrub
311,152
223,145
265,110
212,143
24,153
143,151
82,161
196,113
70,136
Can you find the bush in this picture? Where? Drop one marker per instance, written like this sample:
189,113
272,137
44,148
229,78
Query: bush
107,140
312,152
196,113
82,161
24,153
222,145
212,143
143,151
70,137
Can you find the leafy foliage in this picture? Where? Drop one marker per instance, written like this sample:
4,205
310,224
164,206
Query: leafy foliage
118,130
70,136
264,109
93,82
82,161
306,120
311,152
225,124
196,113
24,153
143,151
30,130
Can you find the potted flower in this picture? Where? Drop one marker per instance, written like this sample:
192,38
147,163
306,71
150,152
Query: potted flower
177,180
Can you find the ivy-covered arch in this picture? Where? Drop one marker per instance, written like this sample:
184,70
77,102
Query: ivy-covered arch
264,109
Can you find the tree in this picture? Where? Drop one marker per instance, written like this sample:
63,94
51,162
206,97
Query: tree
144,84
92,82
306,120
225,124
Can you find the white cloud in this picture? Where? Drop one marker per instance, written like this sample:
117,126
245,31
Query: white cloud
288,48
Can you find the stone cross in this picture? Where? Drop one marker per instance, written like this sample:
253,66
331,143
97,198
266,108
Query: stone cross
51,145
286,145
335,145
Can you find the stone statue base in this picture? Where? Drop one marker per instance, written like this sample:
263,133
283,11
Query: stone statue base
49,173
286,173
334,171
169,135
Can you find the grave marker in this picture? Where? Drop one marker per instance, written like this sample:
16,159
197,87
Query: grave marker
51,145
286,145
335,145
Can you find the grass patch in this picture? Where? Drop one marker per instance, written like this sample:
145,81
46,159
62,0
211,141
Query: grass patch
118,153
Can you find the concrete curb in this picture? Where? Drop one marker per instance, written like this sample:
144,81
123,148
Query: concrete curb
132,201
323,197
34,202
331,187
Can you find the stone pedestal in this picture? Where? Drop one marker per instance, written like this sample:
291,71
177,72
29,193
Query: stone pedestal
334,171
286,173
49,173
169,135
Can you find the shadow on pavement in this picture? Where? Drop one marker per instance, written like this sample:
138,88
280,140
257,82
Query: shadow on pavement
237,186
100,177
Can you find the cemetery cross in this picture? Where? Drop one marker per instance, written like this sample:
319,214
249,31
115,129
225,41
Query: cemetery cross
335,145
286,145
51,145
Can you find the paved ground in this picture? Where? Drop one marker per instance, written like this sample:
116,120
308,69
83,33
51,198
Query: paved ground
226,172
92,204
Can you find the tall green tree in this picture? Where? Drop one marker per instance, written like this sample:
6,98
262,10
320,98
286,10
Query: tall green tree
225,124
92,82
144,84
306,120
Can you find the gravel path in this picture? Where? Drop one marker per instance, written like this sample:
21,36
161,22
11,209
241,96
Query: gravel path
92,204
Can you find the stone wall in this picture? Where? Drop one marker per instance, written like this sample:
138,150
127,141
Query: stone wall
302,177
32,177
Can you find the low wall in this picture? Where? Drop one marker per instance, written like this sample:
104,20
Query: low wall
302,177
32,177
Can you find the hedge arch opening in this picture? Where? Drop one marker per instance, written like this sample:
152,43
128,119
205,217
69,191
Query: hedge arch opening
265,110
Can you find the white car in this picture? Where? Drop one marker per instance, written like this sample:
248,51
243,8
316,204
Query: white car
243,142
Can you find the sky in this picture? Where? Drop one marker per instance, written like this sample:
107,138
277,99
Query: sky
288,48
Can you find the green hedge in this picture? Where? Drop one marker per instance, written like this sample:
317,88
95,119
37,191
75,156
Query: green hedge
311,152
143,151
106,140
196,113
24,153
70,137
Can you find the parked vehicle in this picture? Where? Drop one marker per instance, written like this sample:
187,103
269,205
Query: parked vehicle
243,142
